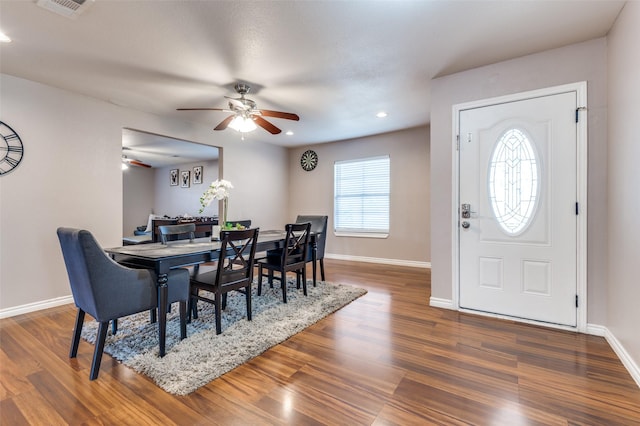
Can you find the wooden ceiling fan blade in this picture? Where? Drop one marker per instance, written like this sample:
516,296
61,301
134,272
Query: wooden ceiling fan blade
266,125
224,123
139,163
279,114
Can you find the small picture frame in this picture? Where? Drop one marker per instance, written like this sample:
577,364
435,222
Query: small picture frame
197,174
173,177
185,178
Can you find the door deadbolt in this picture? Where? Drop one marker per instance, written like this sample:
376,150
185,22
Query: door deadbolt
466,211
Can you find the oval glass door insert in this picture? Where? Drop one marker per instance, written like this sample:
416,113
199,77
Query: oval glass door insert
513,182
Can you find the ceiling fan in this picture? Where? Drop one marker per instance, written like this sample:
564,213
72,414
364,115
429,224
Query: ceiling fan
246,115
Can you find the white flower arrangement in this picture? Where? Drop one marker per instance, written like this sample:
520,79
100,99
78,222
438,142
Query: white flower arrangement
218,190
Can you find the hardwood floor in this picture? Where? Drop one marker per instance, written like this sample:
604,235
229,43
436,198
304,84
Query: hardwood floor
387,358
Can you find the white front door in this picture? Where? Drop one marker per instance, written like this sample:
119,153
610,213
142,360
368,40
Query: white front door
518,208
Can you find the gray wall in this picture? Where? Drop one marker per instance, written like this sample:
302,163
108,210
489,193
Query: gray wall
579,62
138,197
623,315
409,216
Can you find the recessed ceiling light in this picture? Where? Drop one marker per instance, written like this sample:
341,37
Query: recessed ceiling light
381,114
289,133
4,38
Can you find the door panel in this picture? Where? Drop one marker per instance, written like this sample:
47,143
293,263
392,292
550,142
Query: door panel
518,245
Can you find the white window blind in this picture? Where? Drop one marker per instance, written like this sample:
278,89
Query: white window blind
361,195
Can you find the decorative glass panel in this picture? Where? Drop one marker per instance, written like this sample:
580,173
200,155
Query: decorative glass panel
513,182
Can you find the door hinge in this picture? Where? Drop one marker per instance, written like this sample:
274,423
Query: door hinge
577,210
577,113
457,142
576,300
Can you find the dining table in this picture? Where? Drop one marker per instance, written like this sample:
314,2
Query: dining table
161,258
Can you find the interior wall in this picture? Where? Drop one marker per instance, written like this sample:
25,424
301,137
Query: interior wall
579,62
71,176
623,315
138,197
312,193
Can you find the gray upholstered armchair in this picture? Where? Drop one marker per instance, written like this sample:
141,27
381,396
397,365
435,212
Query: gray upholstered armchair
107,291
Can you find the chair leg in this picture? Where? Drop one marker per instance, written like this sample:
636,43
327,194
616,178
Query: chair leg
193,305
97,352
283,284
322,269
183,320
248,296
114,326
304,281
218,308
77,331
224,301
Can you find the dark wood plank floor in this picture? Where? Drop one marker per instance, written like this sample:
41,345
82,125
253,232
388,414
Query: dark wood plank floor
385,359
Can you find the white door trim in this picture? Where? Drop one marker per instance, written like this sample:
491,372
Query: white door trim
582,159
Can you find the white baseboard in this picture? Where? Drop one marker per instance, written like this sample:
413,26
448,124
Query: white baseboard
35,306
441,303
593,329
399,262
628,362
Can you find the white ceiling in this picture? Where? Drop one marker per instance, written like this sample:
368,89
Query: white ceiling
334,63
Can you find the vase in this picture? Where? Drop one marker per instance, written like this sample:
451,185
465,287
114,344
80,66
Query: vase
225,207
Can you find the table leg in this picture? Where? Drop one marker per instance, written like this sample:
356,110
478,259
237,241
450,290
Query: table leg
163,294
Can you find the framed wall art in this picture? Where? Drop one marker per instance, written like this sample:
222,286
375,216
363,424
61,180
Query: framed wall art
185,178
173,177
197,174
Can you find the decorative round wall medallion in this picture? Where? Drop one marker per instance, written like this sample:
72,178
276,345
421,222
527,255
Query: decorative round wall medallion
11,149
309,160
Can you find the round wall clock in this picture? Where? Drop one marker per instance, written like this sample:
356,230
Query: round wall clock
309,160
11,149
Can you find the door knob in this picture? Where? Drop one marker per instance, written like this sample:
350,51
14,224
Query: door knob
465,224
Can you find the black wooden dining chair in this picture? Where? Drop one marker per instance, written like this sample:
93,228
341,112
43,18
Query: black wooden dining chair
319,231
234,272
292,258
107,290
177,232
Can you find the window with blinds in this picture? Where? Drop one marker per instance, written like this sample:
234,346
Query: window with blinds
361,196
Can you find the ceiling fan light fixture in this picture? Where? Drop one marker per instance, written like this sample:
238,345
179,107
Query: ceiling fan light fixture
243,124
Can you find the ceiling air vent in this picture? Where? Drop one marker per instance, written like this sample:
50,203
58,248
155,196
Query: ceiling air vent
69,8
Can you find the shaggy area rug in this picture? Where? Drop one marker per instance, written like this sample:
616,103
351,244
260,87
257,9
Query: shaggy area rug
203,355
